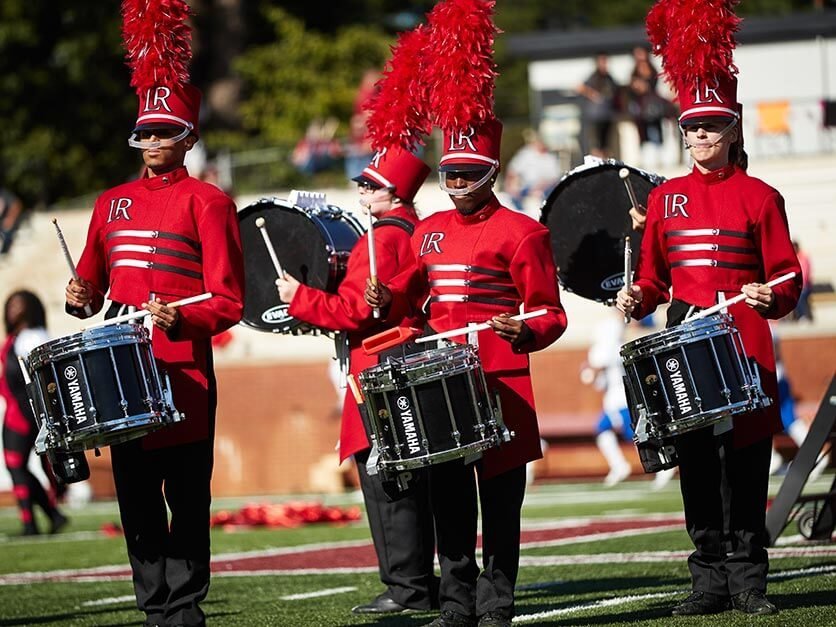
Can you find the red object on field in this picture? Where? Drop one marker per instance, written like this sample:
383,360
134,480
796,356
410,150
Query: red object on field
111,529
292,514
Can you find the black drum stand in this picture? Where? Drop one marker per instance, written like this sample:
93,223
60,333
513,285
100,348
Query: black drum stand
815,513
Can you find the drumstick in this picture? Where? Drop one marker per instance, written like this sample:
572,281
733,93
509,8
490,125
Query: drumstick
372,257
624,173
259,222
69,258
477,327
736,299
141,314
628,271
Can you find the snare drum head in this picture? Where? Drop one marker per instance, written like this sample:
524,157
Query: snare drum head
587,216
311,245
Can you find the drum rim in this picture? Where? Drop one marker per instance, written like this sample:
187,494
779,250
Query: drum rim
98,338
703,328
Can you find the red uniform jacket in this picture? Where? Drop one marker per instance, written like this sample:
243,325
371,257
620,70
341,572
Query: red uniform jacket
347,311
710,233
476,267
171,236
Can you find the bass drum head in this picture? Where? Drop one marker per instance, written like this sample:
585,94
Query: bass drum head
307,244
587,216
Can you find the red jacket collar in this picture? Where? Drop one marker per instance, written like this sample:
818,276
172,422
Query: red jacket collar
715,176
483,214
165,180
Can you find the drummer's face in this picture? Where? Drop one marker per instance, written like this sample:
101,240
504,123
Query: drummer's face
473,201
378,199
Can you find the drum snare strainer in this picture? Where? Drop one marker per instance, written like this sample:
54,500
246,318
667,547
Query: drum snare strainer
689,377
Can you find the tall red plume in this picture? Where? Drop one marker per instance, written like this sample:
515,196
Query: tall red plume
695,38
460,70
157,42
398,109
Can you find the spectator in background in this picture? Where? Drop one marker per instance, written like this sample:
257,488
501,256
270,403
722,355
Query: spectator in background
317,150
599,93
11,209
803,311
646,106
24,318
358,150
533,171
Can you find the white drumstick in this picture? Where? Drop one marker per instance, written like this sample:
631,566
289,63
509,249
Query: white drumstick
372,257
141,314
477,327
259,222
628,271
736,299
624,173
69,258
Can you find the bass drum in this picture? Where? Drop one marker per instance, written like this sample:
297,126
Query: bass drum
587,216
312,245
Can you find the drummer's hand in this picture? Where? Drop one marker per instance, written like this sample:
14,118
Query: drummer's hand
627,301
163,316
758,296
639,217
515,331
377,296
79,293
287,288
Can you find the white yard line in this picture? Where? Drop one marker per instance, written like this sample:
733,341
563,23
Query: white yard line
319,593
109,601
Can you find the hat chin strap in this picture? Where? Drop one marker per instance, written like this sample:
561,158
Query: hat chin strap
464,191
144,144
723,133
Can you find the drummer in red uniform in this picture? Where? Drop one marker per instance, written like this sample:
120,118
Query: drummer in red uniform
482,262
158,239
710,235
402,530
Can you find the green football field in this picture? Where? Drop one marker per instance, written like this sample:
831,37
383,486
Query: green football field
590,556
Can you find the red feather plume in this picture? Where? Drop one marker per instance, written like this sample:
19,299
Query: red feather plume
460,70
398,113
157,42
695,38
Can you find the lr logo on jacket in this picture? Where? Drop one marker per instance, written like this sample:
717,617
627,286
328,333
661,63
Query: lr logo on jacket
431,243
119,209
675,206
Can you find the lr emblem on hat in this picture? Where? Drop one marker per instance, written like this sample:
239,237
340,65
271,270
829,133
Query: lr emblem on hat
462,140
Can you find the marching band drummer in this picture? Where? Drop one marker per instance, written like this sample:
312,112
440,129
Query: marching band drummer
482,261
707,234
152,241
402,530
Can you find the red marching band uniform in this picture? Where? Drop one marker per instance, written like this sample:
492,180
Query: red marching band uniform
711,233
347,310
478,266
171,237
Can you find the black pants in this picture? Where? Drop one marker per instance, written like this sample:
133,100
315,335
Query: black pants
453,492
170,562
724,491
404,540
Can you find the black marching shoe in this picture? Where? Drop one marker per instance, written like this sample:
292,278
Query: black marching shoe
494,619
450,618
698,603
381,604
753,601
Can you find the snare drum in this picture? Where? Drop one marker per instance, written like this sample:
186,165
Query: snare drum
430,407
689,376
588,217
97,388
312,244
